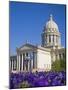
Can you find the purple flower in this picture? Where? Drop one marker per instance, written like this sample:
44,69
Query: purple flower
38,79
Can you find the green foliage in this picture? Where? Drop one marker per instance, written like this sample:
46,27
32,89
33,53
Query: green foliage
59,65
63,65
56,65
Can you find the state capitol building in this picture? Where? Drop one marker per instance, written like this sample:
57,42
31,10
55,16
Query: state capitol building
40,57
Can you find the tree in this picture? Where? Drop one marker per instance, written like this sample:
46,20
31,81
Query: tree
56,65
63,64
59,65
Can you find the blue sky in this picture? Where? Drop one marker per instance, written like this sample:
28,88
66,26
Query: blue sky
28,19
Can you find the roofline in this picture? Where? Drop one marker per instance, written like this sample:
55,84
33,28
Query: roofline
36,47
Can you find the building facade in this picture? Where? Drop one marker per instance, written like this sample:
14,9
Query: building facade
39,58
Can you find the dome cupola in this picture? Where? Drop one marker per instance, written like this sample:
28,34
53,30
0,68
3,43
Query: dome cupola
51,35
51,26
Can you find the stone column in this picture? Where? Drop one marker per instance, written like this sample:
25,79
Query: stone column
61,56
15,64
28,65
55,40
59,40
19,62
47,39
35,60
32,64
51,39
12,64
22,62
58,57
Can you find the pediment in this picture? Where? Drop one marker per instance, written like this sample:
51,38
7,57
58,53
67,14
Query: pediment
27,47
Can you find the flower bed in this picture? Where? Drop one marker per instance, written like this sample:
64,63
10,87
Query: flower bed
37,79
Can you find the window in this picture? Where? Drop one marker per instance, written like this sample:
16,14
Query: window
63,55
23,56
46,37
27,54
15,64
11,63
53,38
60,56
49,38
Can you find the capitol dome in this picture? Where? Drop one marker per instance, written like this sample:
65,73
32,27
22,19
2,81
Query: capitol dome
51,25
51,35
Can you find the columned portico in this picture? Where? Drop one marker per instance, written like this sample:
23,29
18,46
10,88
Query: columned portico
26,61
